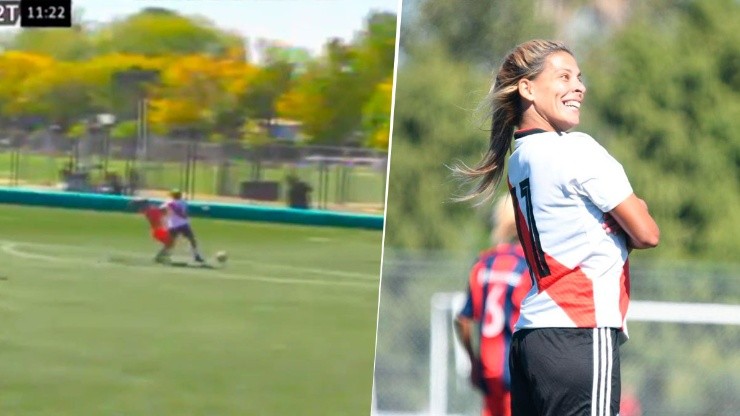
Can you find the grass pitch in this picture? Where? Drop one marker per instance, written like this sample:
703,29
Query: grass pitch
89,325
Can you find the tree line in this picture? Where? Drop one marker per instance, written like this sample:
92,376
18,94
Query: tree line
198,80
663,97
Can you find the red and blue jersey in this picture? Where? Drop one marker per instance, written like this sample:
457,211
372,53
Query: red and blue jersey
498,282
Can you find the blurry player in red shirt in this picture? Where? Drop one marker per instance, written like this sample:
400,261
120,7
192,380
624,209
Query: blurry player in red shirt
630,403
156,215
497,283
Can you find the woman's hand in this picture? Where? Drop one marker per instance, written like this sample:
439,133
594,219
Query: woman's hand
611,225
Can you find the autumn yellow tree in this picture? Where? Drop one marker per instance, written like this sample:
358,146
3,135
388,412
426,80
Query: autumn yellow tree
198,92
376,120
197,77
102,71
16,68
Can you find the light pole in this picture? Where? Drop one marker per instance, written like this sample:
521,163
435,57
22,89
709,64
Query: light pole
135,80
106,121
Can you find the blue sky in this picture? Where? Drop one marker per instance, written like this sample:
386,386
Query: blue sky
302,23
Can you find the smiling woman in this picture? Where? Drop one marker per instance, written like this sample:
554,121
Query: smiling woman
560,92
512,99
577,219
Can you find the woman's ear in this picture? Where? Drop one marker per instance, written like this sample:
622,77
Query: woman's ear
526,89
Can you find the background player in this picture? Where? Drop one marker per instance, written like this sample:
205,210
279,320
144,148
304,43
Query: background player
178,222
155,216
498,282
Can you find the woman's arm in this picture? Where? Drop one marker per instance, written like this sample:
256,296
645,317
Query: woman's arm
633,217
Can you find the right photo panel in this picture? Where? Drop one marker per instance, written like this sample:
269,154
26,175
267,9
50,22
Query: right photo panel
557,236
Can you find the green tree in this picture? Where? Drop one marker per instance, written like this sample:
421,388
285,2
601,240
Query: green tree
125,130
74,44
272,81
481,32
328,97
665,97
156,31
376,47
434,126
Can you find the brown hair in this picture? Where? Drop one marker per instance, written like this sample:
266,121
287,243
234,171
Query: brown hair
527,60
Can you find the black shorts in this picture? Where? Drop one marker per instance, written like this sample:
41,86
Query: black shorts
565,372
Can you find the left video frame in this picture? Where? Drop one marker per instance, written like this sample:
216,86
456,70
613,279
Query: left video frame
192,199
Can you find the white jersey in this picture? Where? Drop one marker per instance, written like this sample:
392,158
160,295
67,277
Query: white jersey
177,213
562,184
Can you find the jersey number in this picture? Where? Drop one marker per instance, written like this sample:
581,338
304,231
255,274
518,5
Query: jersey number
493,320
534,237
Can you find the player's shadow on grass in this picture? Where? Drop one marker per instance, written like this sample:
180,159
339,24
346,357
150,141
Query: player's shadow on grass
126,261
191,265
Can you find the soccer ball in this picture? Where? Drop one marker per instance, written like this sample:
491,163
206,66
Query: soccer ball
221,256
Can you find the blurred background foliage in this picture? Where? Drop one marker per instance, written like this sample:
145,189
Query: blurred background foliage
199,78
663,97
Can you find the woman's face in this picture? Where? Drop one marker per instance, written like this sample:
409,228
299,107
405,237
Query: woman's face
555,94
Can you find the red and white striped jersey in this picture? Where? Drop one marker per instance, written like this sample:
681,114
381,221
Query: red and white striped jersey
562,184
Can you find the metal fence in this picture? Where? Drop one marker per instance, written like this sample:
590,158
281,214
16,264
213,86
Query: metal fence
336,177
683,357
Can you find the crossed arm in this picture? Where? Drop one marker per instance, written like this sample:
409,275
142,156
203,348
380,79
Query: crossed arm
632,216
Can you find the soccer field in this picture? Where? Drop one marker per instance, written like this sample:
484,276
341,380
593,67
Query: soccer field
89,325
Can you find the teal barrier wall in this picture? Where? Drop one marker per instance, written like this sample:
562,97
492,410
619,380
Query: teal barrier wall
101,202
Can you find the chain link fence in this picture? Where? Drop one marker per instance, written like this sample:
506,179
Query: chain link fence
683,357
344,178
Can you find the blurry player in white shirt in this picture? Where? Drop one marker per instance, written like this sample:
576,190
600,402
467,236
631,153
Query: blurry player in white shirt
178,222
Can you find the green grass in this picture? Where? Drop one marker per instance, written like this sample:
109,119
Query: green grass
90,326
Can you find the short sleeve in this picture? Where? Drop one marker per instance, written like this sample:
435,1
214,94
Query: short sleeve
599,176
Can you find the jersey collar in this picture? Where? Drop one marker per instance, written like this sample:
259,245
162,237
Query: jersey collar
523,133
